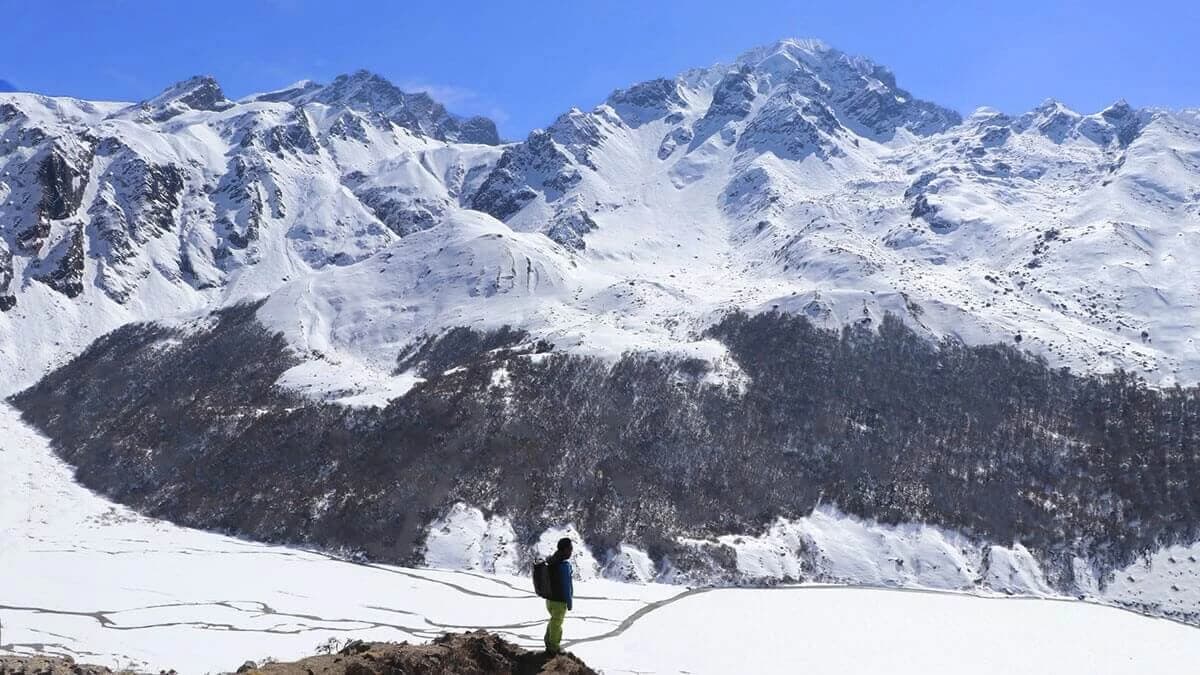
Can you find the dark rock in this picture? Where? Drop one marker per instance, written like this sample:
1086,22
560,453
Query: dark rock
62,185
673,139
203,93
10,112
295,136
647,101
51,665
67,275
733,98
367,92
568,228
927,211
402,213
477,653
7,299
537,163
475,129
347,126
197,93
791,128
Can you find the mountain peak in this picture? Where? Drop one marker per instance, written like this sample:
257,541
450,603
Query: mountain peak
864,92
792,47
1120,109
366,91
200,92
5,85
362,90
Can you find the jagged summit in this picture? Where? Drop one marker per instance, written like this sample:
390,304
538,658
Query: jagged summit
368,92
200,92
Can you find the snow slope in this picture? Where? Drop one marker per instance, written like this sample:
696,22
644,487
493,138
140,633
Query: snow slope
105,585
810,629
111,213
675,201
797,178
830,547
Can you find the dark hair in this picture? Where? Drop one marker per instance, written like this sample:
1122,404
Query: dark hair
565,546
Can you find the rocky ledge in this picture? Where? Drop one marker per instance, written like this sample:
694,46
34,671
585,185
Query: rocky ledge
51,665
477,653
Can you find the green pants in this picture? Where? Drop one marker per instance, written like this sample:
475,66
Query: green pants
558,612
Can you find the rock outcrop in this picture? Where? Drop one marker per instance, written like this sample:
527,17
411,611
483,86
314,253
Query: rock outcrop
50,665
478,653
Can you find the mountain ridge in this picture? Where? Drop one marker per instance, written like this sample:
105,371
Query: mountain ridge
795,156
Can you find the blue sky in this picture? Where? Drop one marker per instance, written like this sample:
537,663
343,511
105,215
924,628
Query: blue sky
523,63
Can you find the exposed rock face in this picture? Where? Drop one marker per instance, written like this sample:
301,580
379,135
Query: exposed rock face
62,185
539,162
295,135
732,100
369,92
200,93
7,299
203,93
569,226
792,129
647,101
66,277
548,164
478,653
402,213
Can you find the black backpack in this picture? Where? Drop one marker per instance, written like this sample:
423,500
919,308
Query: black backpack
541,579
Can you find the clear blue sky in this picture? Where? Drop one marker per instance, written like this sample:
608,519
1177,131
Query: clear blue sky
525,62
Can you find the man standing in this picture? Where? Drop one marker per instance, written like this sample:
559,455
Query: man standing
561,593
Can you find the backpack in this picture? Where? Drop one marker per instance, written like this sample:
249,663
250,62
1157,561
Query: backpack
541,579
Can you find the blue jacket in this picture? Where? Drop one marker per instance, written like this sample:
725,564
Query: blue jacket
561,588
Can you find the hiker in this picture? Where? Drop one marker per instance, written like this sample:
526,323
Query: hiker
561,592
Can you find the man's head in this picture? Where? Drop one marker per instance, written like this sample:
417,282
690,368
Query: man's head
565,547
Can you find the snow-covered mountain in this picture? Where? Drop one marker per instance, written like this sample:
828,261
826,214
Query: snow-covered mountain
797,178
367,304
113,212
